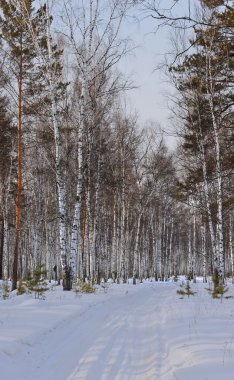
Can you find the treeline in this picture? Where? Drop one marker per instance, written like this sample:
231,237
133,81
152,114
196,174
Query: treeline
204,80
83,188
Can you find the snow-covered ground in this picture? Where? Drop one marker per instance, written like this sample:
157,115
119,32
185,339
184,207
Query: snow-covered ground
140,332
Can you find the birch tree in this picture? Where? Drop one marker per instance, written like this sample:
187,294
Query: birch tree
96,52
49,55
7,147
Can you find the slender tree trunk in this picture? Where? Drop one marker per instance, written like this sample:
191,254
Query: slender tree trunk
122,223
114,242
200,141
97,223
164,246
219,201
166,263
194,246
210,92
58,171
190,259
136,255
231,244
2,236
153,229
19,172
127,242
203,242
76,255
118,236
171,256
159,248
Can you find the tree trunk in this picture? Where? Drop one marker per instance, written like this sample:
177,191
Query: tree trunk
58,171
19,172
231,244
190,259
114,242
219,180
97,224
203,241
75,254
136,255
200,141
2,236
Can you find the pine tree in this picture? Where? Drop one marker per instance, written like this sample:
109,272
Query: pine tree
206,81
37,283
21,60
186,290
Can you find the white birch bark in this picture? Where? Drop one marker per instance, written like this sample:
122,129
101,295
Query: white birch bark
194,244
219,179
171,256
96,49
166,242
136,260
153,228
200,142
163,246
96,223
122,221
76,249
89,252
53,82
106,246
114,242
204,256
231,244
159,250
190,262
127,241
58,172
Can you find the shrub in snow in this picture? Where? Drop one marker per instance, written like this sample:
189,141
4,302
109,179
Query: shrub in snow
37,283
185,290
84,287
219,289
189,276
87,287
21,288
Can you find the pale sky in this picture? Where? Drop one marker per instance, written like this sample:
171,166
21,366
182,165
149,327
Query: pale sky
147,99
150,99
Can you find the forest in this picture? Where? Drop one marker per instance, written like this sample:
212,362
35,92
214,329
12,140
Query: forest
84,189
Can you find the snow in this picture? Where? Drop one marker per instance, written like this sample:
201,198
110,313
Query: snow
140,332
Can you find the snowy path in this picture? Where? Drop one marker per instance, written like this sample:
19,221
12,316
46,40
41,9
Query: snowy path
142,332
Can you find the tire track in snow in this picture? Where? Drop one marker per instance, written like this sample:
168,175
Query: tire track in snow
145,333
131,344
119,337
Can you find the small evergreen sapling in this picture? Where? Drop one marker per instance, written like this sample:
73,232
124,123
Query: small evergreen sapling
87,287
37,283
83,287
189,276
185,290
21,288
219,289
